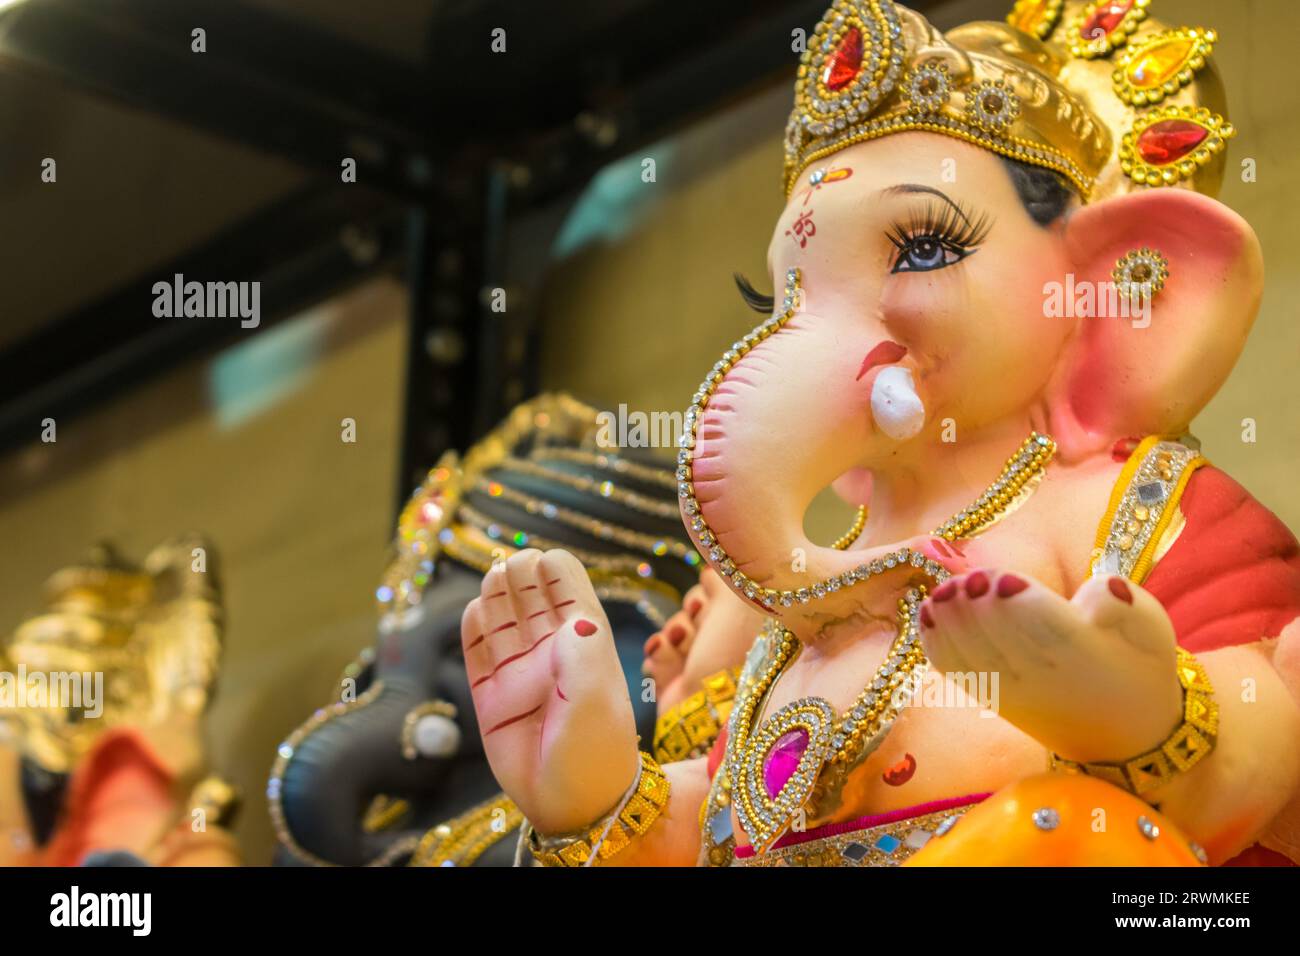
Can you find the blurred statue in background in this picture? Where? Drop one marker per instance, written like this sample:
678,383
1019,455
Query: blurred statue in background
393,772
102,697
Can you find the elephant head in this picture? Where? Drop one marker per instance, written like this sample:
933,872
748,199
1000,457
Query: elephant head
403,742
933,316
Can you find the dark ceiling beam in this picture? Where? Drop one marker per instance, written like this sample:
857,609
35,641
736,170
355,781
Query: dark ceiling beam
303,249
689,81
275,85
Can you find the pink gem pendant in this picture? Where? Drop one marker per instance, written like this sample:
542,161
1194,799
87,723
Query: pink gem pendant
779,766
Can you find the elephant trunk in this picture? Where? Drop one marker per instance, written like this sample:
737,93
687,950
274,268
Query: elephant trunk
796,411
338,768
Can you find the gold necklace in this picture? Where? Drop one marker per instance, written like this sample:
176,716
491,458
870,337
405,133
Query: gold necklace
783,763
778,768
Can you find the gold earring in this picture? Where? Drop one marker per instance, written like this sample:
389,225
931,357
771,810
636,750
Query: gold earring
1141,271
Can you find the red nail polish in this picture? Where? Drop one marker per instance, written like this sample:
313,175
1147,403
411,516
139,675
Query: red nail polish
584,628
977,584
1009,585
944,591
1119,588
927,619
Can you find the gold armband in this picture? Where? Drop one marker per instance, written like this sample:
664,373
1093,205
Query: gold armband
1189,744
610,836
689,728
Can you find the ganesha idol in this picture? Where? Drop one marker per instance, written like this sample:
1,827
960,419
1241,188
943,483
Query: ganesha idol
116,775
1031,503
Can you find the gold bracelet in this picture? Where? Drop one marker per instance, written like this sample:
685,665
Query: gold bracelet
1189,744
689,728
631,820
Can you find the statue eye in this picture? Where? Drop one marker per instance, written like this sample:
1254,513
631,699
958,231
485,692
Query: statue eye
926,253
937,236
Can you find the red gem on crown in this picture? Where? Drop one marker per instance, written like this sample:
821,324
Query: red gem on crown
1104,19
1170,140
844,65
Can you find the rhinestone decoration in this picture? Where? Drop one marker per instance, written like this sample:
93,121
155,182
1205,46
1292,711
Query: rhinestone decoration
832,111
1139,510
1148,828
1189,743
1170,144
1141,273
1046,818
1021,468
888,844
855,852
1036,17
1162,64
991,106
841,741
853,61
764,814
1104,26
928,87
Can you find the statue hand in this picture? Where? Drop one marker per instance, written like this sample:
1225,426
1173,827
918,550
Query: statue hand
551,699
712,632
1093,678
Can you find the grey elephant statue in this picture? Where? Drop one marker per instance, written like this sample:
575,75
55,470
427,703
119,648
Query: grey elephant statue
393,768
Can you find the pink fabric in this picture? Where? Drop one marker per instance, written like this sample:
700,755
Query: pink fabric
867,822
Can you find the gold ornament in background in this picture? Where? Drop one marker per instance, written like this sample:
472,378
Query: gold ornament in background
153,631
1060,84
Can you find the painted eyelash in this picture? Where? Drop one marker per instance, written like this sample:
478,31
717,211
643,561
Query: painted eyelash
956,227
756,300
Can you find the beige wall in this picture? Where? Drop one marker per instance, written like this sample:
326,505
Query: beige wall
646,313
300,519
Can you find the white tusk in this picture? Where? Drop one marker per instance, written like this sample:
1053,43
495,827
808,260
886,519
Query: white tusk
895,405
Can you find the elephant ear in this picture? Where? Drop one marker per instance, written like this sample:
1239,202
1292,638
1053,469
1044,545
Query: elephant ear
1122,376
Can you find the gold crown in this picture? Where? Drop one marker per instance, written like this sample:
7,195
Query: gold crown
1100,92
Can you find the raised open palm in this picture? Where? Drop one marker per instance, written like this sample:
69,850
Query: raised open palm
552,703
